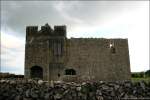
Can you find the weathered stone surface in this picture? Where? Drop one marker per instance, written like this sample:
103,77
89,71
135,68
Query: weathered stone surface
40,82
49,54
32,90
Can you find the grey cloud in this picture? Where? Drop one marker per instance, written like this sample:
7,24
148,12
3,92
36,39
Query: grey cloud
24,14
17,15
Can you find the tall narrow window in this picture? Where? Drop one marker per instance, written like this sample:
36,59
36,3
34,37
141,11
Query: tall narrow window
57,48
59,45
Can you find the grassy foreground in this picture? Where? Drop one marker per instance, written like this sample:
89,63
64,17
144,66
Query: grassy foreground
141,79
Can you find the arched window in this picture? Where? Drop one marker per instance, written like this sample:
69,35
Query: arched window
36,72
70,72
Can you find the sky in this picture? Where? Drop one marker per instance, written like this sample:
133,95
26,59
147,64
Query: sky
97,19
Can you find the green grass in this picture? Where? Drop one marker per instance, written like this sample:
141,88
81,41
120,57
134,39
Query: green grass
141,79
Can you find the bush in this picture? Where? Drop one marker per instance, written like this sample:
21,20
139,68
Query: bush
140,74
147,73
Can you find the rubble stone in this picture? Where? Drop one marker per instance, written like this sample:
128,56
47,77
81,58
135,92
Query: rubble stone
37,90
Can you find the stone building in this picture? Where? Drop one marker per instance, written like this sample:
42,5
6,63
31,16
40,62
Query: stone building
50,55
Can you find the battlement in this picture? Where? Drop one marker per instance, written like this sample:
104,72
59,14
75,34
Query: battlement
31,30
46,30
119,40
60,30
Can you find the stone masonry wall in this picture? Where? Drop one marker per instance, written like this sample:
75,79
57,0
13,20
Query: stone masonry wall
37,55
90,58
93,60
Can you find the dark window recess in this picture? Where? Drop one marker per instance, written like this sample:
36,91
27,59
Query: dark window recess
70,72
113,50
36,72
58,75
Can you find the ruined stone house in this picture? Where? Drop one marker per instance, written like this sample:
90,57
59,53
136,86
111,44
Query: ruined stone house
50,55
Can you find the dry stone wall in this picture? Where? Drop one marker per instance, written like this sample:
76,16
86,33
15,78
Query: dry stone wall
100,90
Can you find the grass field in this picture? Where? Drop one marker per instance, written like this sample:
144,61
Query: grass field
141,79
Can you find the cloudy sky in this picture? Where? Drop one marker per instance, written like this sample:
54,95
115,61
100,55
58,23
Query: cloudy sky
100,19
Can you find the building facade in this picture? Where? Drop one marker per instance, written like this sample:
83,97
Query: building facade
50,55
